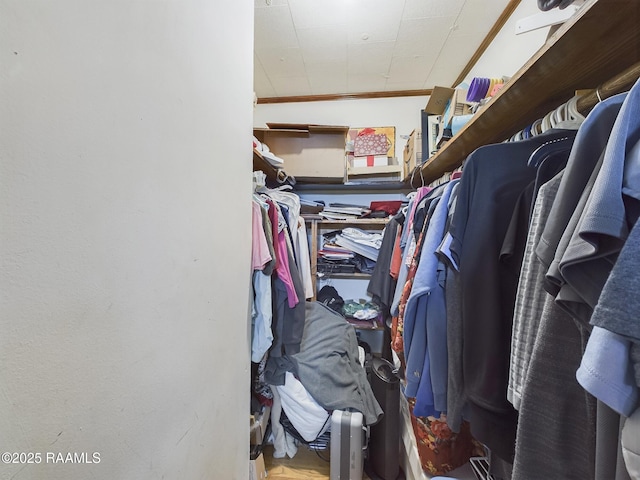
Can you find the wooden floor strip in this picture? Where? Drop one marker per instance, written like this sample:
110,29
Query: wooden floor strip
306,465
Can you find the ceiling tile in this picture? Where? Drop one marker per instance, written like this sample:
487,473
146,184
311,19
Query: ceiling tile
281,62
440,78
382,8
497,6
477,17
366,83
422,36
334,67
323,44
268,3
305,47
431,8
453,58
315,55
457,51
416,67
274,28
263,89
368,33
287,86
370,58
408,84
261,84
306,13
327,82
374,20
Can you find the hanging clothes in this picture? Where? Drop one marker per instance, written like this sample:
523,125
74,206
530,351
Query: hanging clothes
277,309
263,260
540,356
530,297
564,330
613,205
297,233
493,178
382,285
616,315
407,246
425,338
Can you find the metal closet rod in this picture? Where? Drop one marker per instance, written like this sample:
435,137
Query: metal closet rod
618,84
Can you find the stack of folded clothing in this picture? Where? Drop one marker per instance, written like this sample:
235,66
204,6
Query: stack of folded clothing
349,250
360,242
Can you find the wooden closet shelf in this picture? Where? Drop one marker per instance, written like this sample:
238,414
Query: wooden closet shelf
601,40
360,187
354,222
343,275
260,163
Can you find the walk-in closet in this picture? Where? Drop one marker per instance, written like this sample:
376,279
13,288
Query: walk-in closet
292,239
497,230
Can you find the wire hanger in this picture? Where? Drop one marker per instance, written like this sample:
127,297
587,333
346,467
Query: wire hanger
417,167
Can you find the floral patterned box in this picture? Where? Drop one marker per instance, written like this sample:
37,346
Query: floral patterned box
371,141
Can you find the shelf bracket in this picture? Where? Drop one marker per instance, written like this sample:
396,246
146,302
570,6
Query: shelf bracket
547,19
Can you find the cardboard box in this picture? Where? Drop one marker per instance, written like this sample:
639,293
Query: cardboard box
383,173
444,103
438,100
388,132
314,153
257,469
369,161
447,102
412,154
258,425
458,106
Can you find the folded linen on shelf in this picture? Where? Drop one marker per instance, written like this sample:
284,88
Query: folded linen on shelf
360,242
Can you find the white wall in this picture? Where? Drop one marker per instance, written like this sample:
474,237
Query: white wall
508,51
124,273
